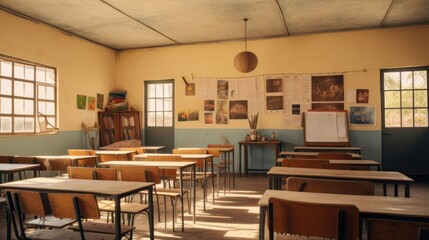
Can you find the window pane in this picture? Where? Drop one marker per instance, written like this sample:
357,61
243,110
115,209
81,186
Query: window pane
5,124
29,90
168,90
159,119
407,99
51,121
5,105
19,88
29,124
420,98
18,124
421,117
407,118
41,107
50,94
391,81
41,92
50,108
29,107
151,91
19,70
50,76
391,99
151,119
151,105
19,106
168,104
159,90
29,72
406,80
6,87
6,68
159,105
40,74
420,80
392,118
168,119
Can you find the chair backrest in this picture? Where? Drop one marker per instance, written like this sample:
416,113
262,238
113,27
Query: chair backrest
131,173
81,172
214,152
81,152
220,145
59,164
153,174
168,173
31,203
334,155
380,229
106,174
314,219
303,163
7,159
344,166
190,151
62,205
329,186
43,165
110,157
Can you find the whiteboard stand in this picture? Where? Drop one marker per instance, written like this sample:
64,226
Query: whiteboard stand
326,128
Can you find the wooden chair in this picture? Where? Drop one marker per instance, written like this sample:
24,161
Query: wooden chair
381,229
335,221
106,174
224,165
110,157
344,166
43,166
5,159
81,172
136,150
334,155
167,175
83,206
90,162
59,165
30,204
303,163
329,186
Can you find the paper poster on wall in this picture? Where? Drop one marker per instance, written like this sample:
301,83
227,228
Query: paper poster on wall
209,105
221,112
208,118
81,101
190,89
238,109
362,115
91,103
327,88
100,101
193,115
222,89
362,95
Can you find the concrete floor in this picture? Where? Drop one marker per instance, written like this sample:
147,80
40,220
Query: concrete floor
234,216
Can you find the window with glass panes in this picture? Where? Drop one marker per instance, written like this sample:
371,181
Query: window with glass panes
405,98
26,89
159,105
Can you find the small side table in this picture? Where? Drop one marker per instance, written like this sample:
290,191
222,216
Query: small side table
245,144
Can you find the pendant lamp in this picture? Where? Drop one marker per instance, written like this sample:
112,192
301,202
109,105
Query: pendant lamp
245,61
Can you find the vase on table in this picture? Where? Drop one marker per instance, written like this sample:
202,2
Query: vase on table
253,135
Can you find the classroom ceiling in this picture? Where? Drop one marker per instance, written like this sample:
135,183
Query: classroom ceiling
128,24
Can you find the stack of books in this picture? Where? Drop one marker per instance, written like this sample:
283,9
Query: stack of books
117,101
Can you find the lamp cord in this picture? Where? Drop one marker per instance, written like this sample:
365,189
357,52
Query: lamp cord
245,34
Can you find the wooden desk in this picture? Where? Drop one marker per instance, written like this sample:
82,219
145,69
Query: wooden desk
165,165
120,154
155,149
111,189
245,144
310,154
277,173
410,209
356,150
368,163
74,158
202,159
10,168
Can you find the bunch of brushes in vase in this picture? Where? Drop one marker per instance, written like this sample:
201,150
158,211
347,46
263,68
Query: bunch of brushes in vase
253,121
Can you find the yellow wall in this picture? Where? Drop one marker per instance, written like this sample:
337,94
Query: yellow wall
83,67
321,53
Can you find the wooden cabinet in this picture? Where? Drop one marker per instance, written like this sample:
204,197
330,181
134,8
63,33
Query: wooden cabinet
118,126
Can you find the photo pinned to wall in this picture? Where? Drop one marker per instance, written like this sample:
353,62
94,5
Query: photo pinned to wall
362,95
81,101
182,115
193,115
274,85
274,103
100,101
238,109
327,106
222,112
190,89
209,105
362,115
91,103
327,88
208,118
296,109
222,89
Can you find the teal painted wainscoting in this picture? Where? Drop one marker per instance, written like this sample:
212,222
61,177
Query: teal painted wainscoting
262,157
47,144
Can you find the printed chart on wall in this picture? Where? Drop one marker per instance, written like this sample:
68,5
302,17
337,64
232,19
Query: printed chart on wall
296,98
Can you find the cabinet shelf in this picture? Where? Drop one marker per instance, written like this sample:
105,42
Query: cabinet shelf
118,126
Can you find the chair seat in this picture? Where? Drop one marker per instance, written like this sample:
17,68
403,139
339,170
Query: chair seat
169,192
129,208
44,234
280,236
50,222
97,227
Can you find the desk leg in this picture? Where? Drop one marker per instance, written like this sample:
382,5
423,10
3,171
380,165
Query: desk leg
118,217
181,198
233,169
213,181
396,189
407,190
194,189
205,185
262,222
151,222
270,182
245,161
239,160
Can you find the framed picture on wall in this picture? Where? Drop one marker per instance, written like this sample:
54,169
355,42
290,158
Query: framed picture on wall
238,109
362,95
190,89
100,101
362,115
327,88
81,101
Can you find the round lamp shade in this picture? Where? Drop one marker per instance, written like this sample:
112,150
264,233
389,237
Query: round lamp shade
245,61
